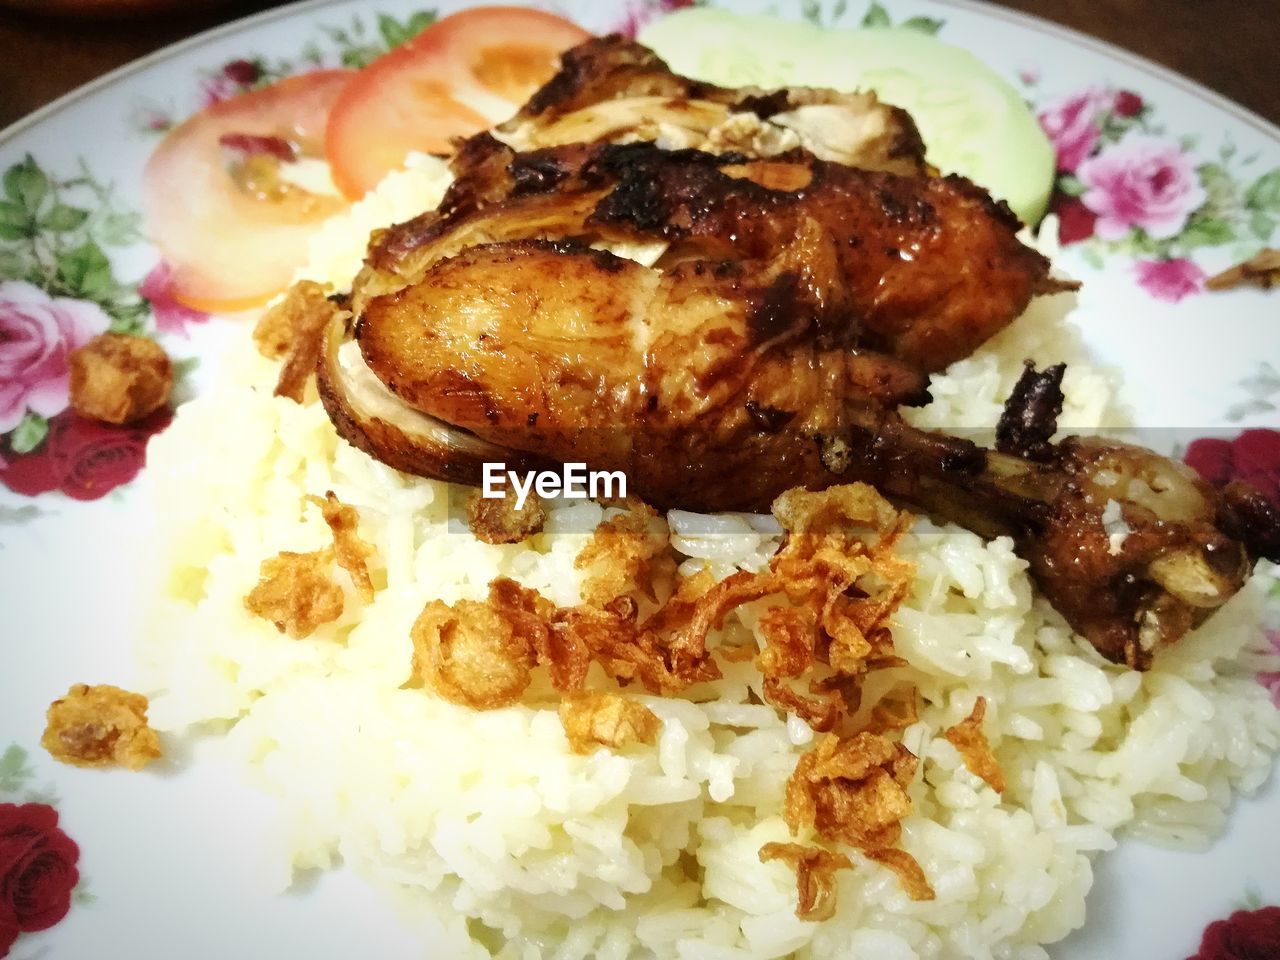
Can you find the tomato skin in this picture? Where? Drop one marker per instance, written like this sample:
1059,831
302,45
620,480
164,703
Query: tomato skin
229,250
460,75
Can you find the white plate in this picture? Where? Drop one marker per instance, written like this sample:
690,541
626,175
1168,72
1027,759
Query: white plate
168,860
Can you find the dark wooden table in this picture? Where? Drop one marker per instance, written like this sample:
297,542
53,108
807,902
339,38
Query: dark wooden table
1232,46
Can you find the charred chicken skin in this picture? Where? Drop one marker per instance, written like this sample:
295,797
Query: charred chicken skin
614,90
924,269
775,311
775,316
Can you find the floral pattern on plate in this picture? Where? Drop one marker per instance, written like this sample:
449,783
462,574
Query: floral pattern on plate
1252,933
39,876
1254,457
354,45
1125,187
58,290
639,13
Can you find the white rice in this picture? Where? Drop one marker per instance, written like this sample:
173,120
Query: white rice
528,850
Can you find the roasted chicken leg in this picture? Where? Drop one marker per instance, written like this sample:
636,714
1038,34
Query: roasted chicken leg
793,296
771,316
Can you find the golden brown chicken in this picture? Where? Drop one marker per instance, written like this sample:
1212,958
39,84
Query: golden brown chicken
922,268
776,313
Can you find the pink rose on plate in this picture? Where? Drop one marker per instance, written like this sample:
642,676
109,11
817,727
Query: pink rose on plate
1141,181
1071,124
37,332
170,315
1169,280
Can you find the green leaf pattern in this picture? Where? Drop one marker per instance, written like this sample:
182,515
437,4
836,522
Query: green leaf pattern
15,772
54,233
876,17
29,434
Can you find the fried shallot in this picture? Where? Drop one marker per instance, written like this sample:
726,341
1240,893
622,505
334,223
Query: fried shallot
591,720
852,789
832,587
296,592
499,520
815,870
828,565
292,330
910,873
967,737
625,552
100,726
350,550
480,654
119,378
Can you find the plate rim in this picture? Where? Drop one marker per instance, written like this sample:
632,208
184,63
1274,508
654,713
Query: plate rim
310,9
1030,21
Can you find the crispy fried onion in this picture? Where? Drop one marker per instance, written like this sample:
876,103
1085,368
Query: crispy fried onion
897,710
352,551
100,726
627,550
910,874
1261,270
498,520
836,582
854,790
968,738
477,654
609,719
290,331
815,870
836,578
842,580
296,593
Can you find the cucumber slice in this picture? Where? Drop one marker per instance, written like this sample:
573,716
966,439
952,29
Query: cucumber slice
972,121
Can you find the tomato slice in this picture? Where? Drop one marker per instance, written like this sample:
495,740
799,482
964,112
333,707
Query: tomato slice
464,73
221,200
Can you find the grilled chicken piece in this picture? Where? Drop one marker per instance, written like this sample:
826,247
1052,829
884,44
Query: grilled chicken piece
1132,548
791,292
614,90
923,269
792,296
784,308
716,384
